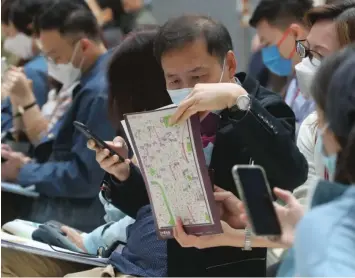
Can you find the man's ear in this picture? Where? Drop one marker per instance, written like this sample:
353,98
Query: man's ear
231,64
298,31
85,44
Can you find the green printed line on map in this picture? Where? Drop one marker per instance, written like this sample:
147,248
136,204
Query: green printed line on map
166,120
189,147
172,220
152,172
208,218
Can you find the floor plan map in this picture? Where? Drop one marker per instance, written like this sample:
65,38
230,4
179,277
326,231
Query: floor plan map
170,163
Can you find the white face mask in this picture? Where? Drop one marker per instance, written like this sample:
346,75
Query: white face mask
66,74
177,96
305,72
20,45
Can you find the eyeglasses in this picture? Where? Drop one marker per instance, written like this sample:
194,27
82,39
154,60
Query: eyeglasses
304,51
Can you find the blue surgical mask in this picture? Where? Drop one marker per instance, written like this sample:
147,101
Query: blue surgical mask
275,62
177,96
273,59
329,161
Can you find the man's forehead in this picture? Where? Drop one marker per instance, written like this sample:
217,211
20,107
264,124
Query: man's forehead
191,58
52,40
267,32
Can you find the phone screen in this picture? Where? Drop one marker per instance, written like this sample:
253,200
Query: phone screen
259,200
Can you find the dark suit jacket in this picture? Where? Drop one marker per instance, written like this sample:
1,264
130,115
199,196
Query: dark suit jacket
266,134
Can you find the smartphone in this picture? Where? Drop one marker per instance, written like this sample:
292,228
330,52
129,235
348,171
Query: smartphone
89,135
254,190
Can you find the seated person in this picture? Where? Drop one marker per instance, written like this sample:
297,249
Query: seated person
16,21
197,49
137,250
69,178
135,51
35,122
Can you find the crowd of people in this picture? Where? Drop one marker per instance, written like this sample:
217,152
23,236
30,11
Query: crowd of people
292,113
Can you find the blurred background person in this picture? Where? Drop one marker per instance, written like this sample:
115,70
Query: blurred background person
108,13
278,24
136,13
17,27
119,17
64,172
332,27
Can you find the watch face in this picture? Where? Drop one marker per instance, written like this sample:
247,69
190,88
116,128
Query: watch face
243,102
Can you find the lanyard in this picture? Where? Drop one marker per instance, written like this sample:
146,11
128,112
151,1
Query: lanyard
326,173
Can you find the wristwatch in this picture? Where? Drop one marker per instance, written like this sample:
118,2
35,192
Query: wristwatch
247,240
243,103
22,109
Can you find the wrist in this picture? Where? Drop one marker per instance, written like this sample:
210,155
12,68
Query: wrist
233,96
27,100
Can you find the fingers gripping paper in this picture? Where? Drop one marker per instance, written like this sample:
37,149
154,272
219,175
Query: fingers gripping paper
172,163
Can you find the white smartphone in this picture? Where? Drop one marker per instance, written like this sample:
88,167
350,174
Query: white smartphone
254,190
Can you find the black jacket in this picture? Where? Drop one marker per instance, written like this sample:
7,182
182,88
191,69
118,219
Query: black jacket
266,134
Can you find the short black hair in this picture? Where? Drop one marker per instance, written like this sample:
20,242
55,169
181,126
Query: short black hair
23,13
280,12
5,11
68,17
179,31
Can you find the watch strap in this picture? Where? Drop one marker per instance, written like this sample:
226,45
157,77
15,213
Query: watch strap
247,239
22,110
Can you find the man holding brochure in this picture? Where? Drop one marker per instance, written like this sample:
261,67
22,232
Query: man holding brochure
254,125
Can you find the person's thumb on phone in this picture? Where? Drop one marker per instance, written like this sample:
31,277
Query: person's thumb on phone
119,145
285,196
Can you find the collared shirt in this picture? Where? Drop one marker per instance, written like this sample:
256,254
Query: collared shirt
301,107
57,104
144,254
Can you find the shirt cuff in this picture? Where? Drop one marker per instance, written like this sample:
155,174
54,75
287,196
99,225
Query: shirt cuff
94,240
26,174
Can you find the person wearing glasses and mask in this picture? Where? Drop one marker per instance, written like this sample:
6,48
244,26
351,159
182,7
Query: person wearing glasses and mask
67,177
20,41
332,28
278,24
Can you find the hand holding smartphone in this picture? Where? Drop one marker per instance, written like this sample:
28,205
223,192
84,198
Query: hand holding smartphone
255,192
99,142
